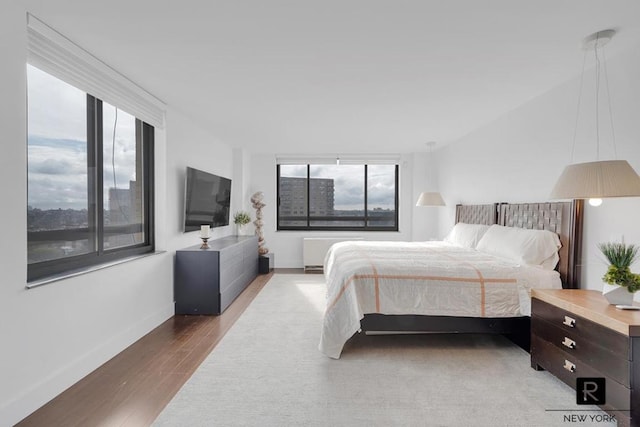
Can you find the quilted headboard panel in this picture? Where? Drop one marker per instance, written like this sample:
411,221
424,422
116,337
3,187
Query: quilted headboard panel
563,218
477,214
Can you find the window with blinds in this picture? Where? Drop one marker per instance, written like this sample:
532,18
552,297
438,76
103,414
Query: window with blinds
90,160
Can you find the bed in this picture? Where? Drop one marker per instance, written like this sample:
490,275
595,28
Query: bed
446,288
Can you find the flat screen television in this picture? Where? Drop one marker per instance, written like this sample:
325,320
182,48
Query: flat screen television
207,200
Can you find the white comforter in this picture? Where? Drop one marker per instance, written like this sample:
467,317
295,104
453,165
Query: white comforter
425,278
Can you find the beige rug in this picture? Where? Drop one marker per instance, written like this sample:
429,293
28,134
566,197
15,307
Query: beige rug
267,371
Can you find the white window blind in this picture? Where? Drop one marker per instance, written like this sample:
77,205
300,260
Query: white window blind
57,55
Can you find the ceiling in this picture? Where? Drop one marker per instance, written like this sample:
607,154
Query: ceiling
348,76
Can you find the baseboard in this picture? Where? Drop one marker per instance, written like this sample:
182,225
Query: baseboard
28,401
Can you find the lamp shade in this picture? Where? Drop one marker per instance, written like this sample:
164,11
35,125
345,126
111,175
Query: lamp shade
609,178
430,199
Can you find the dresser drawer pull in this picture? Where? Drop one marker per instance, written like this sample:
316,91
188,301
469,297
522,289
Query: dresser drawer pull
570,322
569,366
569,343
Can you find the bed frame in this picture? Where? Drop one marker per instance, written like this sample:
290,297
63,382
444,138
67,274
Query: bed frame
564,218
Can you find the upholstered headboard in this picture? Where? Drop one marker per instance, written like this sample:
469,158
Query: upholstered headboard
563,218
477,214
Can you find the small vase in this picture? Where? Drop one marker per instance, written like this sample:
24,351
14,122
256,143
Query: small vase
240,229
618,295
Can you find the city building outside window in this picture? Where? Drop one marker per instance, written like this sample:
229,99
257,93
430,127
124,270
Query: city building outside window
337,197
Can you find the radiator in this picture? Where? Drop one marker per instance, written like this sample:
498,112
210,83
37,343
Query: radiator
314,249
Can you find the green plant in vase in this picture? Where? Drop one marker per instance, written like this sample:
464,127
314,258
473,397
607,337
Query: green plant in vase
240,219
620,257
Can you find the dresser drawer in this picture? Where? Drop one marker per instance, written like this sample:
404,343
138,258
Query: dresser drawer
230,272
557,362
611,364
581,328
231,253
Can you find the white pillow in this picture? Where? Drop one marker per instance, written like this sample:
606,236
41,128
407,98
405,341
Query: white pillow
466,235
551,262
531,247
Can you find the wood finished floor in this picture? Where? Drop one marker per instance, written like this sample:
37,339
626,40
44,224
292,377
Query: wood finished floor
134,387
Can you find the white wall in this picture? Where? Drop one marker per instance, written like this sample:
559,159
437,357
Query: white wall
424,225
287,245
241,181
190,145
55,334
519,157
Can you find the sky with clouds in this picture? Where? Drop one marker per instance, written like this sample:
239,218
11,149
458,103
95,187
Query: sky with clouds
349,183
58,154
57,144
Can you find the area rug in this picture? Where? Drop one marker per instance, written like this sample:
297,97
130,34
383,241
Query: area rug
268,371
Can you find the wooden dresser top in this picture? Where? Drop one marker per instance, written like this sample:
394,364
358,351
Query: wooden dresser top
592,306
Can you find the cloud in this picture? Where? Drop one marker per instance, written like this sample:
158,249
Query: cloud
58,171
293,171
381,194
56,109
59,192
57,157
349,192
57,144
51,167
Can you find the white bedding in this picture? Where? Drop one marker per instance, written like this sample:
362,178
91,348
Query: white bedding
425,278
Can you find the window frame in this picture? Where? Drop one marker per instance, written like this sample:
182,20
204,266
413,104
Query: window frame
95,167
364,218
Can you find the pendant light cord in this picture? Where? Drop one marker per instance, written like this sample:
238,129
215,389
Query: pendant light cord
597,102
606,81
575,128
595,50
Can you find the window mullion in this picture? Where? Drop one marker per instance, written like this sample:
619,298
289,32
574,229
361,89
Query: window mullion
308,196
92,162
366,209
278,196
99,177
397,197
148,172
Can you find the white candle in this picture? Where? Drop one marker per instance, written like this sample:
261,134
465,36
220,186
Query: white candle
205,231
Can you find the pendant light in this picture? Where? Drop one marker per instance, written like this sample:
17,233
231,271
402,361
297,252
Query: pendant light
430,198
602,178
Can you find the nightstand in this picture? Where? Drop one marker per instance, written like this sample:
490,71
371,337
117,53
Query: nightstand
576,333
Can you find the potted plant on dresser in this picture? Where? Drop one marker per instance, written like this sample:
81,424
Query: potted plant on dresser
620,283
240,219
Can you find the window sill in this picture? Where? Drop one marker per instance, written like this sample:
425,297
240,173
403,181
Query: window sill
333,230
81,271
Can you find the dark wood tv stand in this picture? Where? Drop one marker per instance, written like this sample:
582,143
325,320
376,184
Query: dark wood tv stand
206,281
